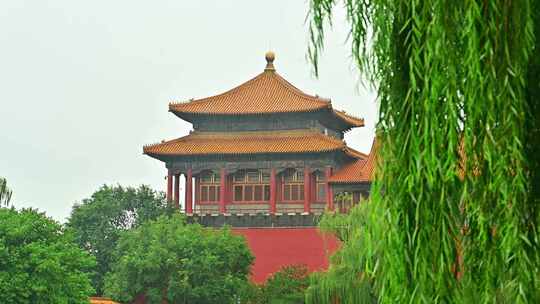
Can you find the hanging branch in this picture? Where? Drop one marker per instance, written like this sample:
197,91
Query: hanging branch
459,98
5,192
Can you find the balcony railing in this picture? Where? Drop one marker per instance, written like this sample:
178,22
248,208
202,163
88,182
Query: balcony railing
248,211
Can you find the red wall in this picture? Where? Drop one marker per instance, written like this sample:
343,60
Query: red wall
274,248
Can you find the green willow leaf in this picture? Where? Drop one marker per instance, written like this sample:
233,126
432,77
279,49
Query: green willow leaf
454,214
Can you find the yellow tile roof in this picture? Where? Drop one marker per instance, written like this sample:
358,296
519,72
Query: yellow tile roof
266,93
355,154
260,142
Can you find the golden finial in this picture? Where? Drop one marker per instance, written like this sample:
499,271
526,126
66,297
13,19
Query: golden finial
270,56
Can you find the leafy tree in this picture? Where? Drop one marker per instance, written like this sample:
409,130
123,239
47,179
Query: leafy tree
40,262
99,220
167,259
286,286
454,213
251,293
5,192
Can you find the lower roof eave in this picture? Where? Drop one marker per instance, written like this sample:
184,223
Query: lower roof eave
167,157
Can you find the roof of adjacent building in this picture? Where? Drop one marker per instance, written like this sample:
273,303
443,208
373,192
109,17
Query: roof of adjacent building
267,93
358,171
248,142
355,154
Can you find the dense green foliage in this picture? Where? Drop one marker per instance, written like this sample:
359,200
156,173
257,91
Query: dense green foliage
5,192
40,262
286,286
454,213
182,263
344,279
100,219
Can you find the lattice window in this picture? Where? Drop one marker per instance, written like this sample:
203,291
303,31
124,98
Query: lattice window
293,186
209,187
251,186
320,186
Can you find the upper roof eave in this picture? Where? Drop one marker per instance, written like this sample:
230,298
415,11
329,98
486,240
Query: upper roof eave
347,121
351,120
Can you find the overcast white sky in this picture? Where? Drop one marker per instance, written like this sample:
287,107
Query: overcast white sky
85,84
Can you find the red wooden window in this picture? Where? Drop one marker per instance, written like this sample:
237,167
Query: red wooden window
293,186
209,187
251,186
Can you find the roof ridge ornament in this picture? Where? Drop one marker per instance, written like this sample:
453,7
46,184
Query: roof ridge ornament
270,56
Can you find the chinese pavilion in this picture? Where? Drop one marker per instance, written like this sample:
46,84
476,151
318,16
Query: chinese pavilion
263,154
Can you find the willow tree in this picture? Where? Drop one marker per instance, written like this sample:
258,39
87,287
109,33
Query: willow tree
454,212
5,192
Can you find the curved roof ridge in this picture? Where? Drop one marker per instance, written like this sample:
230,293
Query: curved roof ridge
301,93
206,99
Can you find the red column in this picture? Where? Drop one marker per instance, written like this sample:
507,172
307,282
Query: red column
313,185
279,189
273,191
329,191
189,191
229,188
307,190
222,191
169,186
177,191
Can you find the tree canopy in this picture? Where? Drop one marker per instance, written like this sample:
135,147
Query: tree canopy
40,262
454,212
182,263
99,220
286,286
